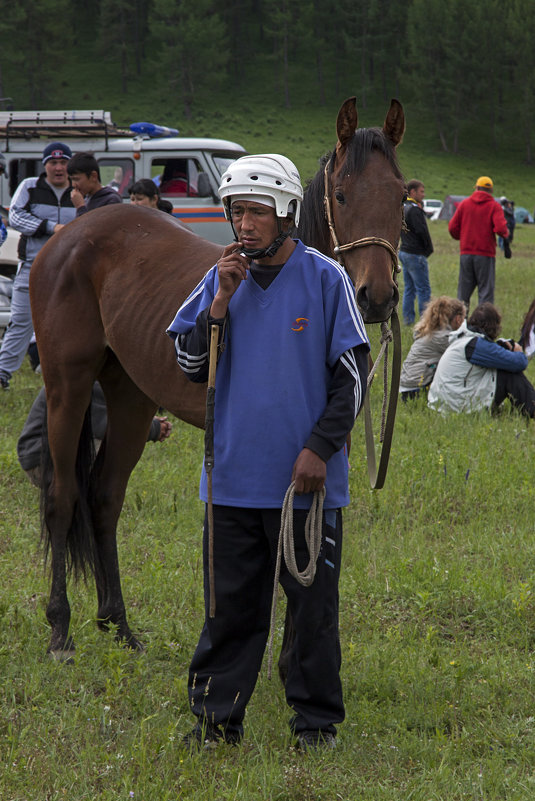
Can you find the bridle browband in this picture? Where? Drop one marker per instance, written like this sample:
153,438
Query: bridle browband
364,242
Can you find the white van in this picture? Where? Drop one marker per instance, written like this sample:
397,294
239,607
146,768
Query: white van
187,170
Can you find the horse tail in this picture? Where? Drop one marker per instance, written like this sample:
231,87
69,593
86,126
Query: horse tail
80,543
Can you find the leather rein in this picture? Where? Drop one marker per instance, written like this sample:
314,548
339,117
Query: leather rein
376,474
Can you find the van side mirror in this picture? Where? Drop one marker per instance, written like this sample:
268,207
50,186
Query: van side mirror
204,187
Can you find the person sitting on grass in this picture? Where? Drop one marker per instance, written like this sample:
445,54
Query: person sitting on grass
145,193
431,338
527,333
87,192
475,372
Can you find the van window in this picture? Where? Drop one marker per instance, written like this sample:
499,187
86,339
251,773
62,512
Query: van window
176,177
22,168
223,162
117,173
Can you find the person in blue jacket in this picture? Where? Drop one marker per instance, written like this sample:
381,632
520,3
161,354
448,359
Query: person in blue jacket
476,372
291,378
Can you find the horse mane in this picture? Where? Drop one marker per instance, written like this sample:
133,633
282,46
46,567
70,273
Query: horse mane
313,229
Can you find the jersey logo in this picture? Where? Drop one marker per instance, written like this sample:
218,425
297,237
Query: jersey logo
300,324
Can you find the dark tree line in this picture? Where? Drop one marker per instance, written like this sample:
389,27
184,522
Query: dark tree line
460,62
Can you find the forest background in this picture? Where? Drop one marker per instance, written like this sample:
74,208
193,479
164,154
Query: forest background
464,69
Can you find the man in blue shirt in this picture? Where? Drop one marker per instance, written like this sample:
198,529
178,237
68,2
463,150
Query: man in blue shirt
291,379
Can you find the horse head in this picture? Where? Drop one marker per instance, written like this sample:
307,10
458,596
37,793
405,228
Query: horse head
364,191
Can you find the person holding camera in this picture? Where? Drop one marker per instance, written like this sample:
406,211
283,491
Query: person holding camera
476,372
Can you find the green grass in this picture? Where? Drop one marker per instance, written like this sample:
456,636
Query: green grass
437,622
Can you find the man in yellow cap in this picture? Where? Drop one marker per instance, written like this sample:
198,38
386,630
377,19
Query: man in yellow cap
476,222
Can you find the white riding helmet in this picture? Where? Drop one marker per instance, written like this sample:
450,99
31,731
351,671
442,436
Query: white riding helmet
267,174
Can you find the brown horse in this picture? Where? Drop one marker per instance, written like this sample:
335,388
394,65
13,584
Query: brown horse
103,291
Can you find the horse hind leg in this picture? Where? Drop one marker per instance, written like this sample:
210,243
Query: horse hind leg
63,518
129,417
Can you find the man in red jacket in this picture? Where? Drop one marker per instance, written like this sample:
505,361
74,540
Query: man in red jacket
476,222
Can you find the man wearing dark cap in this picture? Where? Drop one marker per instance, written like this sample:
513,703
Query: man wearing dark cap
476,222
41,206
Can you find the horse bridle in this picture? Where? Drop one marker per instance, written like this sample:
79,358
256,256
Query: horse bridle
364,242
376,474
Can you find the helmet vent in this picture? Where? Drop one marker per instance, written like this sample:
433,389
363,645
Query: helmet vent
254,177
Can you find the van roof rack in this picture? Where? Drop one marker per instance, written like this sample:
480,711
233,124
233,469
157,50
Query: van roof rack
51,124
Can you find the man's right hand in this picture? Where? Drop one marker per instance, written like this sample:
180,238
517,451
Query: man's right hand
232,270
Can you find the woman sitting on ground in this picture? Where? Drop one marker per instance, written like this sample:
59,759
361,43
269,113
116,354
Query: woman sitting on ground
527,334
477,373
431,338
145,193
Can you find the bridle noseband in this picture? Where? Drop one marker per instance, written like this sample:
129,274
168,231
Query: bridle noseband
364,242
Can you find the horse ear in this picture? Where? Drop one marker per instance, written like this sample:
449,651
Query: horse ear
394,125
346,122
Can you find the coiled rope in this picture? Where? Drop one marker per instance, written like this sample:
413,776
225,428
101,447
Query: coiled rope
313,532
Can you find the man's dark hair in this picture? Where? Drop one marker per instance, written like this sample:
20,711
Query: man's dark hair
85,163
413,184
485,319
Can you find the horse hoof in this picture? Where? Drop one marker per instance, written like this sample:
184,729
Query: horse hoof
61,655
133,644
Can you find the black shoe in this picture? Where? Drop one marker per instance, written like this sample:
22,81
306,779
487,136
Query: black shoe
206,735
315,740
4,382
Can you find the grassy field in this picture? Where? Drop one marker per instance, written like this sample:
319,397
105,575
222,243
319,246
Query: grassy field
437,622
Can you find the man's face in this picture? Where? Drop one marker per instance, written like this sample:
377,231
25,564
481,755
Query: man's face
56,172
256,225
82,182
418,194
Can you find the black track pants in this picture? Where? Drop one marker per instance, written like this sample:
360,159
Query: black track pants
518,389
228,657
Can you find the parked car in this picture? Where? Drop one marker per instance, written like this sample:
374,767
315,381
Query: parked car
432,208
522,215
187,169
450,204
9,258
6,288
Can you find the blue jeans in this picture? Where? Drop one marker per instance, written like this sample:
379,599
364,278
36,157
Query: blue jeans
416,280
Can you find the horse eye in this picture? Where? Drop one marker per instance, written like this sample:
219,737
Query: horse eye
340,197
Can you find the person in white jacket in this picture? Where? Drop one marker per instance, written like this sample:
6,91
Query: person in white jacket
475,372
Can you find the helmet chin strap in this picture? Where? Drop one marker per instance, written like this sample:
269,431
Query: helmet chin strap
262,253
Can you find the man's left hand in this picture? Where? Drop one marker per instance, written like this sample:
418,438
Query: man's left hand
309,472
